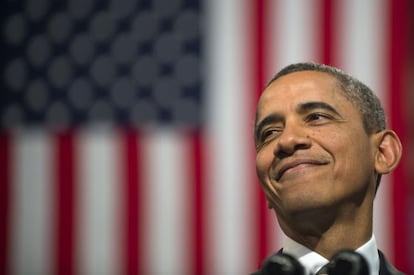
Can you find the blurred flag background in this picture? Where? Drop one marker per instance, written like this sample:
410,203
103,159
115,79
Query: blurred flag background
126,127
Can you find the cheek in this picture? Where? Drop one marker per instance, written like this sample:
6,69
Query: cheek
264,161
265,156
261,165
353,162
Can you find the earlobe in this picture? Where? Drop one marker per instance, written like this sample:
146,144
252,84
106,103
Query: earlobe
389,151
269,205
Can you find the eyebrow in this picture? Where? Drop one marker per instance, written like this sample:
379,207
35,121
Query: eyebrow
301,109
309,106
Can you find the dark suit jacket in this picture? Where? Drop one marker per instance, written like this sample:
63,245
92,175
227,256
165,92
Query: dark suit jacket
385,267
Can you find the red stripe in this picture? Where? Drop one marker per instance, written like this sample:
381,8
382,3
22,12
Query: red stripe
131,201
65,204
327,27
259,38
4,202
197,185
398,66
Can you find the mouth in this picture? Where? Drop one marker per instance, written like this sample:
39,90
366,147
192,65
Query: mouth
297,164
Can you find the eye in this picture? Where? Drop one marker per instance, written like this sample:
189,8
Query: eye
268,133
316,117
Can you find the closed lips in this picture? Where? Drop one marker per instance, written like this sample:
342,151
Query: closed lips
289,165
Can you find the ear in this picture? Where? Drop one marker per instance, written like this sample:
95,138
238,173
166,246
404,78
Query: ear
389,151
269,204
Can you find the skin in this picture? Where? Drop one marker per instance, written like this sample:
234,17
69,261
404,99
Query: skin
316,163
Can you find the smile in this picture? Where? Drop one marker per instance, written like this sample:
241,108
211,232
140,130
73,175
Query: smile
296,166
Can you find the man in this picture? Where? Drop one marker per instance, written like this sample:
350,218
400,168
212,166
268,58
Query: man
322,145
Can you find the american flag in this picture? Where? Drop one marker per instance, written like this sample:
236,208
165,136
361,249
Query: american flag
127,128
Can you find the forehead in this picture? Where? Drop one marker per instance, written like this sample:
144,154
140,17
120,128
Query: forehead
299,87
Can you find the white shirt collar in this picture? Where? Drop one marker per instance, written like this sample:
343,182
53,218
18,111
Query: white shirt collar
312,261
370,251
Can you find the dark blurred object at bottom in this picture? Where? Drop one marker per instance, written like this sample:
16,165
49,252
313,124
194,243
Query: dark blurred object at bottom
282,264
348,262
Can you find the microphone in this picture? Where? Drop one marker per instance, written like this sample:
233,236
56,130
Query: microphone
348,262
283,264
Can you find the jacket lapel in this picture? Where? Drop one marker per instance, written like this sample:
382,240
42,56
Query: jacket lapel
385,267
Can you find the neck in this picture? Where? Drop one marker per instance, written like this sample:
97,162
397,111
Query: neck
326,234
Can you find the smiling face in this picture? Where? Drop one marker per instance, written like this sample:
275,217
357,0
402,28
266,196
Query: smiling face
313,152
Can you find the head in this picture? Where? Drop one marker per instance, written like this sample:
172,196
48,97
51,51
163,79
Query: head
360,95
321,140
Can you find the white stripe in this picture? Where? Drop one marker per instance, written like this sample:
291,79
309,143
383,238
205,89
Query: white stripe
230,163
362,41
275,233
294,32
166,227
362,52
294,37
383,218
32,208
98,192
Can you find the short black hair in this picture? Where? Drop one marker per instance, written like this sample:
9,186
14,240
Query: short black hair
367,103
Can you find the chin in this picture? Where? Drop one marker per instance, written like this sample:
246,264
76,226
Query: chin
306,205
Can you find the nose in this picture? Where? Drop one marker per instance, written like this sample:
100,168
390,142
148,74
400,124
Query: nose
294,137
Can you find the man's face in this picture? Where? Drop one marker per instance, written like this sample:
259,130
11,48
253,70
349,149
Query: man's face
312,150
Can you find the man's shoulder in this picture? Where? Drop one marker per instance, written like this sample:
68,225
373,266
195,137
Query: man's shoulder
386,268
